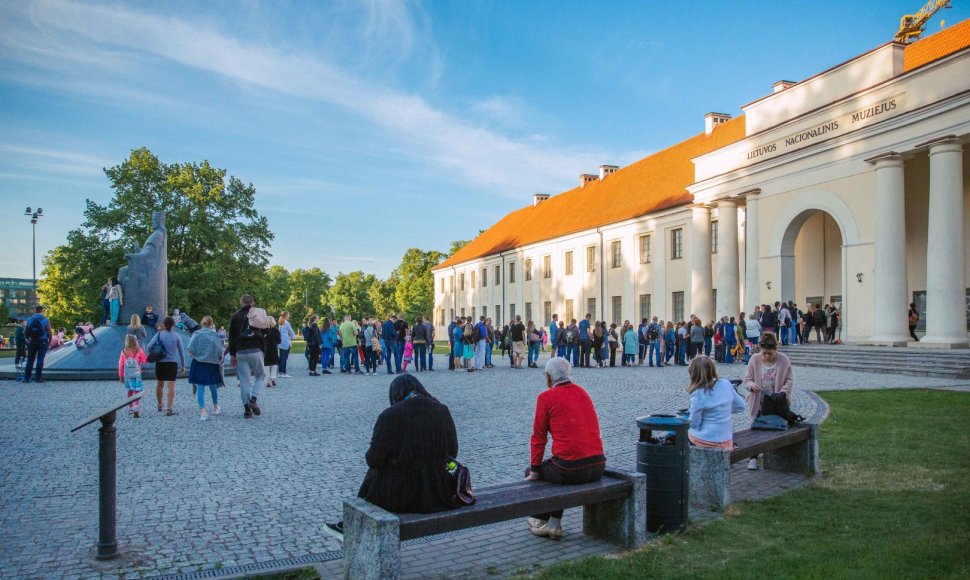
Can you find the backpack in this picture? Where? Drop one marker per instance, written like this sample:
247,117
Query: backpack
653,333
570,336
258,318
132,368
35,329
157,351
476,333
467,331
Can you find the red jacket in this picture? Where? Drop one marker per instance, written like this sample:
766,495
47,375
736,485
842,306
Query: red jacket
566,412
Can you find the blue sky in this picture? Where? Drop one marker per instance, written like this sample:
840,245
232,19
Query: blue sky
368,127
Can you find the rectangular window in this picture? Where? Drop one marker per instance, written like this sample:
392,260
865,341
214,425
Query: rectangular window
473,279
591,259
677,244
451,283
462,312
452,311
644,249
511,312
617,309
511,272
484,277
441,316
461,281
547,312
484,310
714,237
527,267
498,315
678,306
498,275
617,252
473,314
547,266
442,284
528,311
591,307
645,306
569,263
570,314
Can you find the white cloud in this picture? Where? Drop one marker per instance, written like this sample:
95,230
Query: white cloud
106,39
53,160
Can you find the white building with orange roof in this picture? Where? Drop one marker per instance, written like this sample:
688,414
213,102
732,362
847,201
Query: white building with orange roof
850,187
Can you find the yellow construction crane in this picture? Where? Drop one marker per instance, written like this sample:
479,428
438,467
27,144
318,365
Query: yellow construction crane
911,25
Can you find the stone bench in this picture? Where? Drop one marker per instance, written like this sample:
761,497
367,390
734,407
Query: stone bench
614,509
792,451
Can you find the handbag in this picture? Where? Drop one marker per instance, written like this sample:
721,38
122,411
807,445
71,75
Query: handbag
769,423
157,352
776,404
461,484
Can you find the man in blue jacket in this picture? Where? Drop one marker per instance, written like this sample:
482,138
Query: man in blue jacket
38,331
389,334
553,329
585,341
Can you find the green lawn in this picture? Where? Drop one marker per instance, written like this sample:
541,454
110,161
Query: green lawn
894,502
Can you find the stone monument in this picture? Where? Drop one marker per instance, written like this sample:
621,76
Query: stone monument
145,278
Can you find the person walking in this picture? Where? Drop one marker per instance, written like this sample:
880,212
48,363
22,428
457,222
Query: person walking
286,342
768,372
913,317
313,339
169,366
129,371
403,331
20,343
38,333
246,346
206,350
136,329
518,342
271,354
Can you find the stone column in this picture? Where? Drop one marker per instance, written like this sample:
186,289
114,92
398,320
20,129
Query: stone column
728,273
752,280
945,271
700,264
890,304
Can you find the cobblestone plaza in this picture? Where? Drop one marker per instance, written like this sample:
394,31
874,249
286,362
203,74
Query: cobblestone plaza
228,492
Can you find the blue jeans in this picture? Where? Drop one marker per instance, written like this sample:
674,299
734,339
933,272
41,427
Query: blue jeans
641,351
794,333
35,351
574,354
488,353
561,351
682,353
200,393
398,354
115,307
370,359
708,345
533,352
669,352
430,356
654,353
106,306
284,356
728,357
345,358
785,333
420,352
326,357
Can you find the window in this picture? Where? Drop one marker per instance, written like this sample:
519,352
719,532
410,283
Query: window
441,315
485,311
617,309
591,259
677,244
442,284
511,312
569,263
591,307
498,275
511,272
547,266
528,311
473,279
678,304
644,249
527,267
451,283
462,312
461,281
484,277
570,314
714,237
473,314
645,306
452,311
617,252
498,315
547,311
714,298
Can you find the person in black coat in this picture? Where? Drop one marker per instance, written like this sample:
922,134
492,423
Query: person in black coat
413,442
271,354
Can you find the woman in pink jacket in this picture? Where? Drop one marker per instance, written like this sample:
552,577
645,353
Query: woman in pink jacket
769,371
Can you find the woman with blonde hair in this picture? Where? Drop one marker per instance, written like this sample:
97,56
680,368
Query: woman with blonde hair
137,330
712,402
287,334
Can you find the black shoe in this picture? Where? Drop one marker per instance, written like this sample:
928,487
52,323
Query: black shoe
336,530
40,381
254,408
325,372
248,414
315,374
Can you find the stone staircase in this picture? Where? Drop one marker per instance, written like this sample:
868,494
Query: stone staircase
948,364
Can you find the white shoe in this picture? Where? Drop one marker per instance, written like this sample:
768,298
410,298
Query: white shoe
548,532
535,522
204,417
753,464
216,410
284,376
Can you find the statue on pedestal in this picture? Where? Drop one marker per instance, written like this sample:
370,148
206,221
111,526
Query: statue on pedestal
145,278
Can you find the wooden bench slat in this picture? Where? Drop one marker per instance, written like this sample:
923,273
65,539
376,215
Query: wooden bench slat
506,502
751,443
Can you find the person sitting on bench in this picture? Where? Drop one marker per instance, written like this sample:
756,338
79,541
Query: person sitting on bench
566,412
712,402
770,372
414,440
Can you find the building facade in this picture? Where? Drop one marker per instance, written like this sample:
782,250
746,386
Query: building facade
17,297
850,187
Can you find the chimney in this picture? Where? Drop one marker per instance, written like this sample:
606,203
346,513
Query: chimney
587,178
712,120
538,198
781,85
606,170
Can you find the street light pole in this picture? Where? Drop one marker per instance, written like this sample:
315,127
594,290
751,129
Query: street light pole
34,216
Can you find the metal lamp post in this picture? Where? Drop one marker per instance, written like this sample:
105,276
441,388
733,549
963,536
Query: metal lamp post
34,216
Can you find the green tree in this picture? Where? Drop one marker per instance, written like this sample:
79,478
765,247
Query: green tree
457,245
308,293
350,294
415,282
217,242
274,293
382,296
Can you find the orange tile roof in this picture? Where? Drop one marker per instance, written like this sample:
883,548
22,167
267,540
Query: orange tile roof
654,183
938,45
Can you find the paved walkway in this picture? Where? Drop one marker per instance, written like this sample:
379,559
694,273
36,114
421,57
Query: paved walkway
231,492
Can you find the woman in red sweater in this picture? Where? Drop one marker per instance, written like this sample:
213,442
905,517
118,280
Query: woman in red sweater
566,412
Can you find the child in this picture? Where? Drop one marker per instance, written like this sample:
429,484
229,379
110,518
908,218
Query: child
80,332
129,370
408,353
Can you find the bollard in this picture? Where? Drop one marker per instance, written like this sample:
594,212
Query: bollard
107,478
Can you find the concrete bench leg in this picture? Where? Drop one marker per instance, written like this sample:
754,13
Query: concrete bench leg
800,457
621,521
710,478
372,542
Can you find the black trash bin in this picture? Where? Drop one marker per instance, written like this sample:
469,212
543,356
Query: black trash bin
662,456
